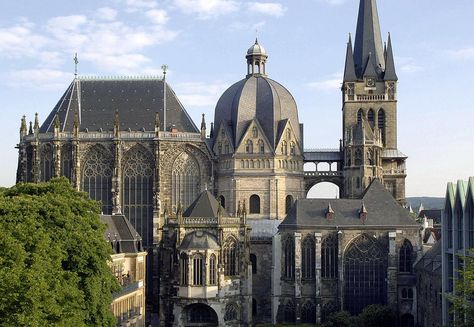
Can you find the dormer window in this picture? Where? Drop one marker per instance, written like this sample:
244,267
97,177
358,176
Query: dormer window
249,146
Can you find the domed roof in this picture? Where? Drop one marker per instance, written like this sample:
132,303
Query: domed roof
256,49
199,240
257,97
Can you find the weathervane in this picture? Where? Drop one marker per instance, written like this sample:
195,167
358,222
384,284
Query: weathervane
76,61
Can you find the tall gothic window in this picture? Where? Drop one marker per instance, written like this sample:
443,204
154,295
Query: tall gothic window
358,157
405,257
198,270
308,313
289,313
289,258
360,115
46,162
253,260
254,204
288,203
185,180
370,117
231,257
284,148
97,176
249,146
365,273
66,161
329,254
137,191
183,267
29,163
381,123
308,258
212,270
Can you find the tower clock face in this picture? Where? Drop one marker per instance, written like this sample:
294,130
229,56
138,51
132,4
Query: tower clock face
370,82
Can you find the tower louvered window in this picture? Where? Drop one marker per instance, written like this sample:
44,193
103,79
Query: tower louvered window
370,117
137,191
97,177
360,115
329,257
365,273
185,180
381,123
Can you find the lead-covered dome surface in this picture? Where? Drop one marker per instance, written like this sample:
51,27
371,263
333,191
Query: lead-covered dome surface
261,98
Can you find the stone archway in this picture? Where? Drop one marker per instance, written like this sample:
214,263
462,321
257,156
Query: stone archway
323,184
199,315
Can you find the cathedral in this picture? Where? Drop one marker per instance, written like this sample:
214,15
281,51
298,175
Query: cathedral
222,211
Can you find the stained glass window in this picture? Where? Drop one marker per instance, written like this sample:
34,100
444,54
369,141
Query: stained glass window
405,257
66,161
185,180
46,162
329,254
230,257
289,257
308,258
308,313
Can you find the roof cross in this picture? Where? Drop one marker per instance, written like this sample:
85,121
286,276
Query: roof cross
76,61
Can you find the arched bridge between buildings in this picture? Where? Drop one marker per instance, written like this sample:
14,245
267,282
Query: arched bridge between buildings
334,174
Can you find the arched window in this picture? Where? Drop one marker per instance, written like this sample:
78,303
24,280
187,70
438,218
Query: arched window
289,313
226,147
370,117
197,270
292,148
219,148
249,146
97,177
137,192
261,146
66,161
231,312
329,254
29,163
289,258
405,258
185,184
253,260
308,258
308,313
212,270
46,162
254,204
183,267
358,157
254,307
201,314
288,133
381,123
288,203
284,148
231,257
360,115
365,273
221,200
254,132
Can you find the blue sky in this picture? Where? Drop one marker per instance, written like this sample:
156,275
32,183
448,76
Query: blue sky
204,44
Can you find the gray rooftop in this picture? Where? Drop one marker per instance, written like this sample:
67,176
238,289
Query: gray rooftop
199,240
205,205
137,100
120,230
382,211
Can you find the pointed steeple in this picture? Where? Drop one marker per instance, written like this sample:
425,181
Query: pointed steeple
36,126
203,127
23,128
211,133
349,71
390,74
370,67
368,38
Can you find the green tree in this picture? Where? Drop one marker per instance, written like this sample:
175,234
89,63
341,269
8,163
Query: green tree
376,315
462,301
341,319
53,258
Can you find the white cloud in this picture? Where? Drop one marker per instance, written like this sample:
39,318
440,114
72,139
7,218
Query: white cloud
206,9
200,94
140,4
463,54
66,23
20,40
106,13
158,16
38,78
267,8
408,65
333,2
333,83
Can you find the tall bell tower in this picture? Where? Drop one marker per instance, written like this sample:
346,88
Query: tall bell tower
369,107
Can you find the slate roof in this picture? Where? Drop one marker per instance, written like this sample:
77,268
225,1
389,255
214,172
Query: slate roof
431,260
434,214
393,154
199,240
206,205
120,230
137,100
382,210
256,97
323,155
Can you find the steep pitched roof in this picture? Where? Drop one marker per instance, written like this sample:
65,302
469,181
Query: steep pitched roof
119,229
382,210
136,100
205,205
390,74
349,70
368,37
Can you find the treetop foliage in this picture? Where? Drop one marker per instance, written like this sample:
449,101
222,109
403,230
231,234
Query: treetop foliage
53,262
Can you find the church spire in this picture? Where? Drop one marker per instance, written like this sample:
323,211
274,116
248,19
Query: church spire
349,71
368,38
390,74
